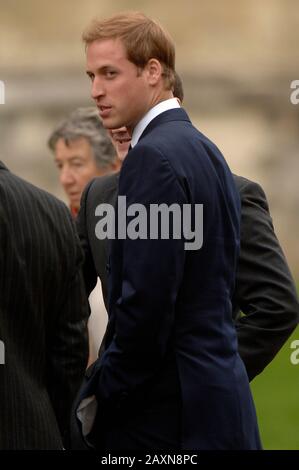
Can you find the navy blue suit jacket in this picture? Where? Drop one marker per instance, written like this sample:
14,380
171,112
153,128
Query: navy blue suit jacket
170,365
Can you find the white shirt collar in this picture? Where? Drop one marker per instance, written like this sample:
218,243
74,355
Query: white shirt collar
150,115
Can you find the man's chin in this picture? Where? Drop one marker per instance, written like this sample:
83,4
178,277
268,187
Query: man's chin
111,124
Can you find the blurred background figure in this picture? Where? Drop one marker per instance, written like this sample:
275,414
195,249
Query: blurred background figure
82,151
121,140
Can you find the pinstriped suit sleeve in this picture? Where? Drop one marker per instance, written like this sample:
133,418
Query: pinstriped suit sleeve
68,345
43,316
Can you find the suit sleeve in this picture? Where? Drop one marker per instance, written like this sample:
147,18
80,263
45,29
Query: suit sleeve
89,271
68,343
150,276
265,291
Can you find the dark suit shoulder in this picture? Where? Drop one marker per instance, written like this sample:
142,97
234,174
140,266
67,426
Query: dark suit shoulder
11,183
96,192
246,185
47,216
104,183
251,193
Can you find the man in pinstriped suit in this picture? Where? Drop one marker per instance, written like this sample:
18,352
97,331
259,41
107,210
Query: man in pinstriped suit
43,316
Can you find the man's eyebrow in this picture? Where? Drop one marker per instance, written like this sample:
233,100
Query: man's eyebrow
103,68
75,157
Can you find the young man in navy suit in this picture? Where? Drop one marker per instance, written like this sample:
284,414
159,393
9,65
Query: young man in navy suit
170,376
265,291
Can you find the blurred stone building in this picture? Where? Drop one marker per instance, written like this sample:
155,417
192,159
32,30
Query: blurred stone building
237,60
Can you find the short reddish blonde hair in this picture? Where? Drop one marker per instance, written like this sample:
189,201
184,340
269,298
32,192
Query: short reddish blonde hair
143,38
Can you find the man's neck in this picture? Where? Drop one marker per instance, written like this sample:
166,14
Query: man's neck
159,108
162,95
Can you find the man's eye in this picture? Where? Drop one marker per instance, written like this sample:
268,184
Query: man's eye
77,164
110,73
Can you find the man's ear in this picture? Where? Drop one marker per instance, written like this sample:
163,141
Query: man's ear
154,71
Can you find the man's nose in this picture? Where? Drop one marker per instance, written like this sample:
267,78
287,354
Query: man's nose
97,88
66,176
